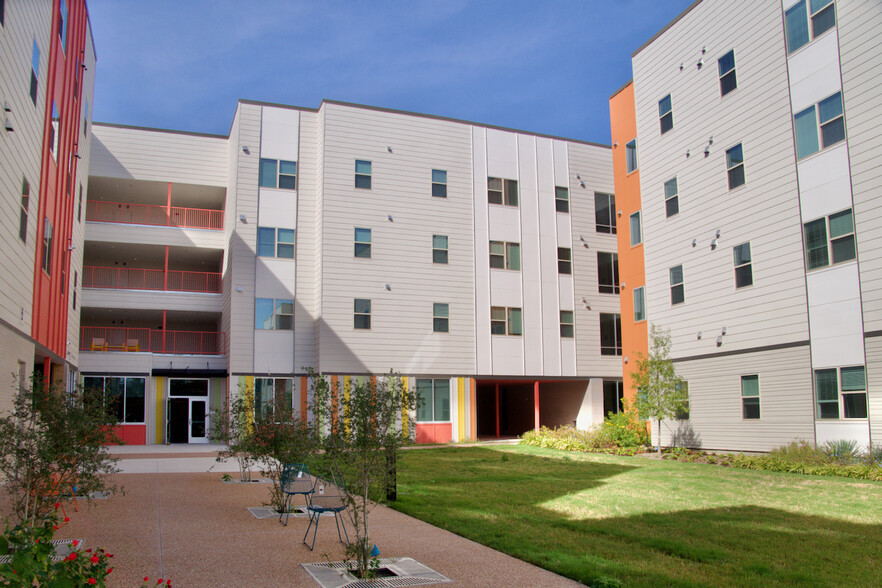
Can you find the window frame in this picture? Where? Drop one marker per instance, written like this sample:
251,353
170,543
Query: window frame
830,257
439,186
608,229
35,71
507,191
672,197
364,177
54,132
744,267
631,163
565,261
804,16
729,73
631,218
278,317
510,256
47,246
561,199
24,212
677,286
604,287
440,317
750,400
665,114
840,401
513,316
808,128
274,179
276,244
261,405
420,389
616,347
683,413
639,296
362,249
365,324
735,171
440,252
122,410
567,324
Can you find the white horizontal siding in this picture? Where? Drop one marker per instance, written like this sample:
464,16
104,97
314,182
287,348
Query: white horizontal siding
151,300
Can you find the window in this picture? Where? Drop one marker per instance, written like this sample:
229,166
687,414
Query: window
567,324
631,155
273,395
604,213
750,397
564,261
440,317
362,313
73,290
639,305
613,397
47,246
636,231
273,314
672,198
610,334
840,246
827,118
677,293
35,72
743,266
735,166
607,272
62,25
278,174
362,242
439,183
505,255
726,67
561,199
122,398
85,118
851,403
363,174
505,321
275,242
500,191
2,11
433,400
796,20
682,413
23,215
80,206
665,117
54,132
439,249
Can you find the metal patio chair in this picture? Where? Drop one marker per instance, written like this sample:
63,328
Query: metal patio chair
327,496
295,480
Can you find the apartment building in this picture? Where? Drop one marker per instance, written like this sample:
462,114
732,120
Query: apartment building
47,63
477,262
746,161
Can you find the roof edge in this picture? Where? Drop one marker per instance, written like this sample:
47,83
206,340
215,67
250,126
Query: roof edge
137,128
666,27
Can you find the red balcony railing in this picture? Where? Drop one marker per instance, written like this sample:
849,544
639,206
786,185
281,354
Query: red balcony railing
152,340
127,278
151,214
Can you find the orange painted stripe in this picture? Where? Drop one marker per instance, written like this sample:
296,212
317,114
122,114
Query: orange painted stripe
303,392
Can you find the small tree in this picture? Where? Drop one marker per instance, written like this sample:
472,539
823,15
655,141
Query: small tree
361,432
660,393
234,426
280,438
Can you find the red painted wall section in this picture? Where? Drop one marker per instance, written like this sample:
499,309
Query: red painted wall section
58,176
132,434
434,432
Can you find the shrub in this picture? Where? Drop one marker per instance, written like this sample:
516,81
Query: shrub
623,429
842,450
800,452
873,456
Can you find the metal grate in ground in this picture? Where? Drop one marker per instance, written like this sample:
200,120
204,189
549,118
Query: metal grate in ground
62,548
268,512
405,571
251,481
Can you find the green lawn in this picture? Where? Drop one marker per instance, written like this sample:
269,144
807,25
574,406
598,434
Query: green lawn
646,522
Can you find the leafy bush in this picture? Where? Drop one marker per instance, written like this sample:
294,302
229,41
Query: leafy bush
800,452
605,438
874,455
843,450
624,430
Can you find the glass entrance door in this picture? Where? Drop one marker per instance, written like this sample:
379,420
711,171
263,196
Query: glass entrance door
198,421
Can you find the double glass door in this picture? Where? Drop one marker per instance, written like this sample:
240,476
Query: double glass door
187,411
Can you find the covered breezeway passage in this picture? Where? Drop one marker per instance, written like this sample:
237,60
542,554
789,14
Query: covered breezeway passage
508,408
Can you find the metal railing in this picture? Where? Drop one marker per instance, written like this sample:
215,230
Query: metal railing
151,214
127,278
151,340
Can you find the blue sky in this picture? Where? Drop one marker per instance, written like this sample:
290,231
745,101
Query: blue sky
545,67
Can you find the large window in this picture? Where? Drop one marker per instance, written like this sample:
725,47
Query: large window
433,400
501,191
362,314
636,229
561,199
672,198
122,397
439,249
678,295
506,321
841,391
604,213
631,155
54,132
275,242
610,334
47,246
362,242
23,213
607,272
735,166
639,304
273,396
750,397
564,261
567,324
743,265
439,183
726,68
665,115
272,314
505,255
35,72
277,173
819,126
837,243
363,174
821,14
613,397
440,317
682,413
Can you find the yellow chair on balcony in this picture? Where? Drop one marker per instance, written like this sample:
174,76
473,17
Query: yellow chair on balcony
133,345
99,344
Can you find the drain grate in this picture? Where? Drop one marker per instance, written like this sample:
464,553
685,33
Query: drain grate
268,512
251,481
406,572
61,549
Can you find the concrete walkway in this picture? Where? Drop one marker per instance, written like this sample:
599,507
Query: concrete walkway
178,521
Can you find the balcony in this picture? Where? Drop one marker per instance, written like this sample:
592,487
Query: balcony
154,215
151,340
123,278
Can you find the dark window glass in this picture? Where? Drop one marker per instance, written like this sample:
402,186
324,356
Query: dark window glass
604,213
608,272
610,334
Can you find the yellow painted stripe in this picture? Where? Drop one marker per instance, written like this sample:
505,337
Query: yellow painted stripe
404,415
159,388
347,387
460,409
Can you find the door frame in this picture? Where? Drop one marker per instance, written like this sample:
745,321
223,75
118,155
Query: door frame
191,400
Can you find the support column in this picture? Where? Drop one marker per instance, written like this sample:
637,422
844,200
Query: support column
164,326
536,405
165,271
168,207
497,410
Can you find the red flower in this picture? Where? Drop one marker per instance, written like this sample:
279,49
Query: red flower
94,559
93,581
57,504
55,527
75,542
88,551
159,581
168,582
109,570
109,555
146,578
66,519
72,556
